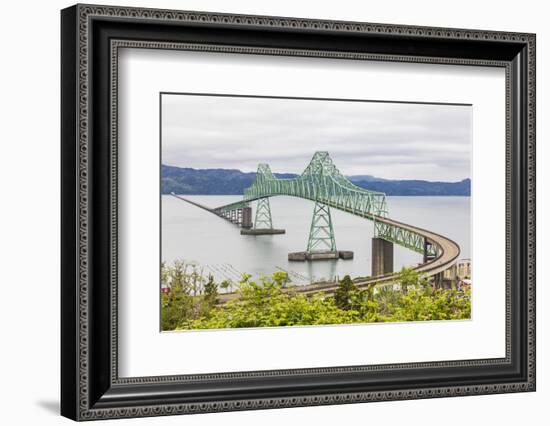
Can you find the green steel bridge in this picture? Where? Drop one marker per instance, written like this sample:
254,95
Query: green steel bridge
322,183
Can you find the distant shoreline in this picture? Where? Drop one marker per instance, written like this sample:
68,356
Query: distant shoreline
189,181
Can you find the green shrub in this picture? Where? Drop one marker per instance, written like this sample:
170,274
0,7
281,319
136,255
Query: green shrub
268,302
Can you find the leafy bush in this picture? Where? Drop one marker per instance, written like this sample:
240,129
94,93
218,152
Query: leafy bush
193,302
266,304
191,295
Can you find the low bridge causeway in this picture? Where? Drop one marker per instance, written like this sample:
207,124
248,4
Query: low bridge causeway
241,217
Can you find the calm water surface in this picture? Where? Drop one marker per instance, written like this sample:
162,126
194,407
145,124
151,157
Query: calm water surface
195,235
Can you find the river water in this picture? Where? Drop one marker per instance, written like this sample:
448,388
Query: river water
192,234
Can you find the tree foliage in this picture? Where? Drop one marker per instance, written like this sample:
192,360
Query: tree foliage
191,295
270,302
344,294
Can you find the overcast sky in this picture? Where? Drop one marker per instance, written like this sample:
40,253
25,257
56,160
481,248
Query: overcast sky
388,140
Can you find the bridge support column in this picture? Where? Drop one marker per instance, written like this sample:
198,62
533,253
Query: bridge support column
321,233
321,244
263,215
263,224
247,218
382,257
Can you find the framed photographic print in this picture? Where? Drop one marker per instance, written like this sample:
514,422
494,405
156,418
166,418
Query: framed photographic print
263,212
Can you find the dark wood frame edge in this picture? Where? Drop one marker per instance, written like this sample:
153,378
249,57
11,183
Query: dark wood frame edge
101,397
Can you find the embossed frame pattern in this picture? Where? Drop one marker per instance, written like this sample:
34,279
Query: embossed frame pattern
91,37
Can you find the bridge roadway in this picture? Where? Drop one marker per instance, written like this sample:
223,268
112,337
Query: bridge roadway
448,254
202,206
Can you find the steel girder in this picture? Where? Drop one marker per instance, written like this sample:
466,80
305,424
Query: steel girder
322,182
405,238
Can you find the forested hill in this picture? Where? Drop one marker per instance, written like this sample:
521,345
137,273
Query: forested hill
414,187
233,182
208,181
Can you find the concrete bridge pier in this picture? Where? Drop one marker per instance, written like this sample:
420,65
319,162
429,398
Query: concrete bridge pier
447,279
382,257
246,218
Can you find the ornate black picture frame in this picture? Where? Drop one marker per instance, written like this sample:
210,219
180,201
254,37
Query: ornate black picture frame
91,387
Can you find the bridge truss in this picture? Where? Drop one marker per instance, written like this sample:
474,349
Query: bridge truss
323,183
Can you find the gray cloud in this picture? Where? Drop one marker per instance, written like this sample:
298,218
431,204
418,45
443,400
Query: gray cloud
398,141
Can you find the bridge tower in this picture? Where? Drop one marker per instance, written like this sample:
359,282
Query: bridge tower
263,223
321,232
262,219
